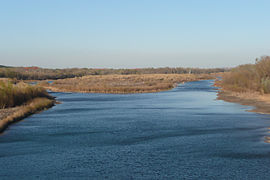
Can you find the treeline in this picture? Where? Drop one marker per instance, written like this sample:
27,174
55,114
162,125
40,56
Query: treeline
249,77
34,73
1,66
12,94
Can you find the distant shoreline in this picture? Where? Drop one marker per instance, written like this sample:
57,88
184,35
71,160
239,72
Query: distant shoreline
123,84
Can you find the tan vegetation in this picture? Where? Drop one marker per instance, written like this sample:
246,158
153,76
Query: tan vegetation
36,73
15,94
12,115
248,85
123,83
249,77
19,100
261,103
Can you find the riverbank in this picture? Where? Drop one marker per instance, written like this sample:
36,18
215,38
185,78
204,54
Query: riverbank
159,133
261,103
12,115
123,84
248,84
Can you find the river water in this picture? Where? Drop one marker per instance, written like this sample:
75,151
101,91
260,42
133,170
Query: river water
183,133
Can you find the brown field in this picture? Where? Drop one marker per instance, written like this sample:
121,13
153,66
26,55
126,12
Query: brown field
122,84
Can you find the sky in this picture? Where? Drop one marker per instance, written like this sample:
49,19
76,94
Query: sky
133,33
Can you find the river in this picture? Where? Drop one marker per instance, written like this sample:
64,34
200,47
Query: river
184,133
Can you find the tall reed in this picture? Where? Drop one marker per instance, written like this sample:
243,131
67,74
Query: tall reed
12,94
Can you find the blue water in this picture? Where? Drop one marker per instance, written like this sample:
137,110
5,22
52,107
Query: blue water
183,133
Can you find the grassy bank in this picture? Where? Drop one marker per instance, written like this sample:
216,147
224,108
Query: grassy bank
122,84
15,94
248,85
33,106
19,100
261,103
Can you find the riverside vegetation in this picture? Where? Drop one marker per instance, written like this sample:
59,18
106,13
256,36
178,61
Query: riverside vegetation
15,94
122,84
36,73
19,100
249,77
248,84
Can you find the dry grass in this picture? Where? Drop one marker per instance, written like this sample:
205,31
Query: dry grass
249,77
260,102
248,85
15,94
21,112
25,98
122,84
36,73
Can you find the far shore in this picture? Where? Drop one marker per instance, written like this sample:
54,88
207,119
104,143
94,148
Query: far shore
123,84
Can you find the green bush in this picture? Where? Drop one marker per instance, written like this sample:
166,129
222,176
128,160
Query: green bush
266,85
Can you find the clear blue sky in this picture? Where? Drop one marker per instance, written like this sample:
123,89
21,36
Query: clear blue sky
133,33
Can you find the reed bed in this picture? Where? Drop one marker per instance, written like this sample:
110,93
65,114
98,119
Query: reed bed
15,94
122,84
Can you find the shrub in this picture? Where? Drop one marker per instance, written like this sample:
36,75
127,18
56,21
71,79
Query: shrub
266,85
249,77
17,94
